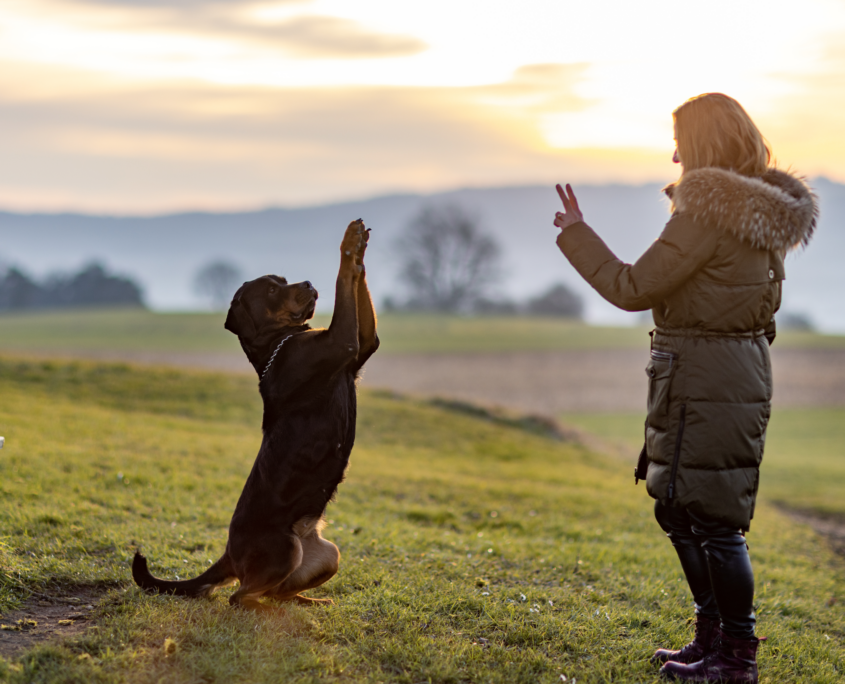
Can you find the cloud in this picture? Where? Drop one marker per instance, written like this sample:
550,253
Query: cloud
539,88
191,145
804,125
303,36
177,4
318,37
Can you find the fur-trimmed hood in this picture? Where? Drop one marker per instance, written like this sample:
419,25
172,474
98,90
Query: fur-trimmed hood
776,211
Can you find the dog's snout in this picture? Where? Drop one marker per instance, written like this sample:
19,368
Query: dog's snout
307,285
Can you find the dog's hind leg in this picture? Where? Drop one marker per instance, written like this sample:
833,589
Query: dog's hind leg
320,562
264,573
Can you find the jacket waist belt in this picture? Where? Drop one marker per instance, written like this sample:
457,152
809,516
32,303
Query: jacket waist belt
697,332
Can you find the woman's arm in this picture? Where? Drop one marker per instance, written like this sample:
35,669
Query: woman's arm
682,248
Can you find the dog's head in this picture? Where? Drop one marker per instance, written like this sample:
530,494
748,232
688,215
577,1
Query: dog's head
263,307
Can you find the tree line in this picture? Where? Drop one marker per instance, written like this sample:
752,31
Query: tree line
451,264
91,286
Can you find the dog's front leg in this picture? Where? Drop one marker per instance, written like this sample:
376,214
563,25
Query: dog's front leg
343,330
368,340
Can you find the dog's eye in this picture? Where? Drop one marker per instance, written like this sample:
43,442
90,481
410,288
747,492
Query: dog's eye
272,290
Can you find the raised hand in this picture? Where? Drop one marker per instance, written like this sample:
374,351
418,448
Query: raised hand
571,213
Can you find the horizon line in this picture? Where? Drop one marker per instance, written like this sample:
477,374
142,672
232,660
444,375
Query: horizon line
257,209
387,194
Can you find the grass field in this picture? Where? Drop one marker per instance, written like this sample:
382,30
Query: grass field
803,467
145,331
472,551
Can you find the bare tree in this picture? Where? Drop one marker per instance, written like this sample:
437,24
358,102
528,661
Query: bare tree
17,290
558,300
795,320
217,282
449,262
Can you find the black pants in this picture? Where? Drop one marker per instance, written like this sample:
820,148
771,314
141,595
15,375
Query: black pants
716,564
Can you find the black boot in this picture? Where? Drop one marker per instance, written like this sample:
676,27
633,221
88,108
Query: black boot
733,662
732,580
706,634
677,524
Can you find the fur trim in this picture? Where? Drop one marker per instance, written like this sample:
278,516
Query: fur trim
776,211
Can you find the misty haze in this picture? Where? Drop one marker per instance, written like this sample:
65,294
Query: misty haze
164,253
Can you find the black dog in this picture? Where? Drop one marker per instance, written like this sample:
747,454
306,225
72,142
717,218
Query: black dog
307,381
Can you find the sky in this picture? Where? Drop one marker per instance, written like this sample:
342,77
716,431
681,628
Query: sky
151,106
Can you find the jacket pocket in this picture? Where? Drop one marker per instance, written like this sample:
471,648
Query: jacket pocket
660,369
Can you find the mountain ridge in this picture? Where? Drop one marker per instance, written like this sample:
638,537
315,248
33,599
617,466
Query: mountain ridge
164,251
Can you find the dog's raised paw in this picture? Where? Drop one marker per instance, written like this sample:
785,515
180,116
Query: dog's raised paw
355,243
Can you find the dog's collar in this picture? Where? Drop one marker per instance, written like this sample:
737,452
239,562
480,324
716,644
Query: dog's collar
276,351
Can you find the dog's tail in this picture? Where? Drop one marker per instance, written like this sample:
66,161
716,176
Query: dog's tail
218,575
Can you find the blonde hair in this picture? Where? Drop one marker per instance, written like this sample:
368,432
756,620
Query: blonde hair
714,130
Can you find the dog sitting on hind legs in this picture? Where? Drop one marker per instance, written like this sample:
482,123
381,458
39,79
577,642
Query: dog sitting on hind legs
307,380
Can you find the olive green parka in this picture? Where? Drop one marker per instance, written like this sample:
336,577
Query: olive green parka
713,282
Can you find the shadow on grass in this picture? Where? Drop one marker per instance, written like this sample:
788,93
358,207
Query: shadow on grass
831,526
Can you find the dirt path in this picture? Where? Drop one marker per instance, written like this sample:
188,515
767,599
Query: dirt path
548,383
832,528
590,381
47,618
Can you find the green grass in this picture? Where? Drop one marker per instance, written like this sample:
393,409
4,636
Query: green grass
105,330
473,551
803,467
137,330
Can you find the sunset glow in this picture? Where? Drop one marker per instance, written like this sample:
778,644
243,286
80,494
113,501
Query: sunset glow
148,106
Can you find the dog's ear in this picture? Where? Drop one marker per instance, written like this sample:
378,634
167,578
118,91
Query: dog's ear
238,319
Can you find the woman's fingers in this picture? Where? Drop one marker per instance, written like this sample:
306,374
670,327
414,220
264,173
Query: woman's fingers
568,198
567,205
571,213
560,192
572,198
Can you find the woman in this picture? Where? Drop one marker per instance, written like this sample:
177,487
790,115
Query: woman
713,282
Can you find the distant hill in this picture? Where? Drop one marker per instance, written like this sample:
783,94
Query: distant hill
163,253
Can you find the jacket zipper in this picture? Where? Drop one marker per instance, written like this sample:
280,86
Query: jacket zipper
677,458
